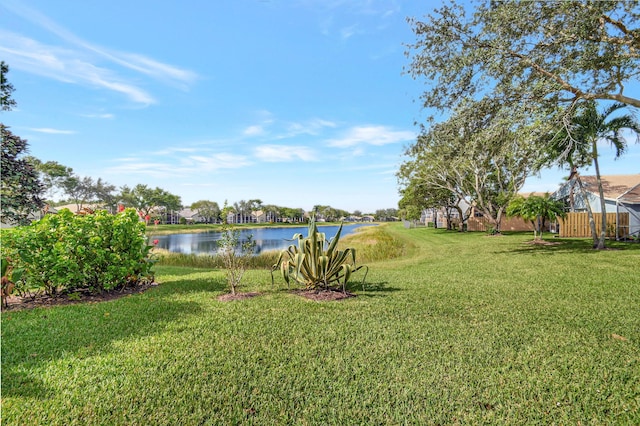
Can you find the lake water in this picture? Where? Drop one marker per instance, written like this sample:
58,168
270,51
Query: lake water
265,238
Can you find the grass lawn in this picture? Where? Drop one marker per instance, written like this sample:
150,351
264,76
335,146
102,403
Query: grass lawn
462,329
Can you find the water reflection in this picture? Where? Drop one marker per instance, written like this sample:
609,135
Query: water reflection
266,238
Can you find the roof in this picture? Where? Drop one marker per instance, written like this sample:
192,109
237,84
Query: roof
625,188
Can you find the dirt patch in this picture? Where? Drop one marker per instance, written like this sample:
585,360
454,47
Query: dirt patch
17,303
323,295
238,296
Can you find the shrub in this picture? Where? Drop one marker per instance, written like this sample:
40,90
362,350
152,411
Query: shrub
316,263
68,252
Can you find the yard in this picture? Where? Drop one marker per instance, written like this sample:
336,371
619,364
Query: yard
463,329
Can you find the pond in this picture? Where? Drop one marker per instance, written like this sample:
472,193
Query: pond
266,238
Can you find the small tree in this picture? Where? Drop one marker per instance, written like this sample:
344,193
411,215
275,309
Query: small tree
235,254
536,209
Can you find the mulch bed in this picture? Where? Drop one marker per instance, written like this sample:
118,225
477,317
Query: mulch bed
324,295
17,303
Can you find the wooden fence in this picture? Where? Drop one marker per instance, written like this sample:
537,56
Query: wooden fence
483,224
577,225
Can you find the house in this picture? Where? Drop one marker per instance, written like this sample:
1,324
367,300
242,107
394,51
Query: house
621,196
191,216
258,216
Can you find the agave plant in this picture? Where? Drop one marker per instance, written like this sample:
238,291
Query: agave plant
316,263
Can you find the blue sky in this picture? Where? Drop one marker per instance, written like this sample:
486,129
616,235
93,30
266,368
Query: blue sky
295,103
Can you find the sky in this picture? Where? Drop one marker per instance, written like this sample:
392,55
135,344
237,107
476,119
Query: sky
296,103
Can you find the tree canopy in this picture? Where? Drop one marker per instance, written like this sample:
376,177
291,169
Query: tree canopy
6,89
509,88
561,51
20,188
145,199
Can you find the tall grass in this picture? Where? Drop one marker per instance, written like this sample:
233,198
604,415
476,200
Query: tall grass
164,257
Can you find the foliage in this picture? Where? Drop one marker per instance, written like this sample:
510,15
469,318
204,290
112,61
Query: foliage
481,155
235,255
6,88
163,257
386,215
536,209
208,210
53,176
589,126
145,199
20,188
328,213
68,252
316,263
577,146
562,51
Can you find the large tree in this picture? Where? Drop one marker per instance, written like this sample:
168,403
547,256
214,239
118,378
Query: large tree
209,210
21,190
52,175
483,154
544,52
146,199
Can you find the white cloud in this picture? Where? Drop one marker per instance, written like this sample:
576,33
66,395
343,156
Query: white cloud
349,31
132,166
371,135
311,127
51,131
218,161
75,63
105,116
282,153
65,65
254,130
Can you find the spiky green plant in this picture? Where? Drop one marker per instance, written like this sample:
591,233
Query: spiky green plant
316,263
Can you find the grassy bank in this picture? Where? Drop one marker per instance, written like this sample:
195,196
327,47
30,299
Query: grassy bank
458,329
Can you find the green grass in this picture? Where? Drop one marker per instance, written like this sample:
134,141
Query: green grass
460,329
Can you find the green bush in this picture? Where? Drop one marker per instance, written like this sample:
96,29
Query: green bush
68,252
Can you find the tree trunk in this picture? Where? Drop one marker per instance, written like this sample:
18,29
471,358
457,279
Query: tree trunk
461,216
587,203
603,205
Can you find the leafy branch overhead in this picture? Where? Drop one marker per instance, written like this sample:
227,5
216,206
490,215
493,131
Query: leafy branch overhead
562,51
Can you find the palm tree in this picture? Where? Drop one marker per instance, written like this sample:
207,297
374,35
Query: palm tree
536,209
589,126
